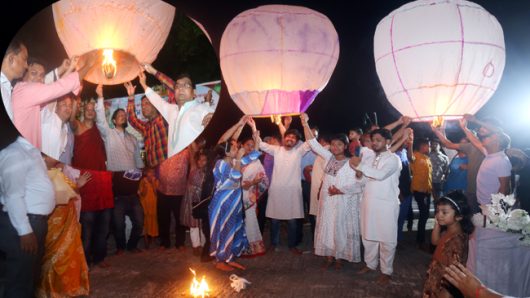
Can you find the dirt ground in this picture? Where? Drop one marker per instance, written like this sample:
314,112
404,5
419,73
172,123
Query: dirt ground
155,273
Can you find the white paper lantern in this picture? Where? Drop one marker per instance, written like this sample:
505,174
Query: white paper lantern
275,59
136,31
439,58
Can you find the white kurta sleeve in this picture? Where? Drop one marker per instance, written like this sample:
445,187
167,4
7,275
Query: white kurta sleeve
270,149
101,120
302,149
163,107
318,149
390,166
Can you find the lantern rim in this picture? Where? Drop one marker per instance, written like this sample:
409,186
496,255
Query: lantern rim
430,118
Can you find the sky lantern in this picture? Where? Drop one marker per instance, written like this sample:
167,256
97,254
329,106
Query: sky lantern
439,59
275,59
125,33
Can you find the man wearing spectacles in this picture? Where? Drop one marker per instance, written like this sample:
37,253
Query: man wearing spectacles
188,117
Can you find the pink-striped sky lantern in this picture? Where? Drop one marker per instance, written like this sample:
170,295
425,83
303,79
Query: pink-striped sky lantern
275,59
439,59
125,32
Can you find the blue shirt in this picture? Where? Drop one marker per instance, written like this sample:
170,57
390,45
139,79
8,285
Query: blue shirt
307,160
457,177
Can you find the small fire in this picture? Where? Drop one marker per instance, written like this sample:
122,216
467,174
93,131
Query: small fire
438,121
198,289
109,64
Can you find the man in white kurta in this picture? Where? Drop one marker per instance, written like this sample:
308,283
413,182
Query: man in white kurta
285,191
186,119
379,204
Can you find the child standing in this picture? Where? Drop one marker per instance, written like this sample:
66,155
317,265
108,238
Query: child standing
147,193
450,235
193,195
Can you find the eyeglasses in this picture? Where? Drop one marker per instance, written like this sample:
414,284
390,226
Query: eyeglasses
183,86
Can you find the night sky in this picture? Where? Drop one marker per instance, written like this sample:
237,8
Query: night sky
354,87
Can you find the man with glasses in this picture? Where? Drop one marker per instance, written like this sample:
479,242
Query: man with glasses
188,117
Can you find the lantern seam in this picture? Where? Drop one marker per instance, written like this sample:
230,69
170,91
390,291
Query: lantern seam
440,42
396,67
462,36
479,86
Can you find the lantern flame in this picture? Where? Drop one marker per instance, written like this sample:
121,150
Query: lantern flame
109,64
438,121
199,289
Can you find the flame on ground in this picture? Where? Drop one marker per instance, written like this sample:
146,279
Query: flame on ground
109,64
199,289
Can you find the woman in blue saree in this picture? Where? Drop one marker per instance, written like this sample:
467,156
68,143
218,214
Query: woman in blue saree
227,236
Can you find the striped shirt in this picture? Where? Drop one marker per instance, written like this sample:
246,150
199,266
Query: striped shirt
155,135
123,152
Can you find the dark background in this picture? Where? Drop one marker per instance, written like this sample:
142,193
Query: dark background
354,87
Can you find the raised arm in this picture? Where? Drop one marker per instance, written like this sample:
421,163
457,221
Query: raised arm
471,137
161,105
308,134
445,142
397,136
255,133
492,128
164,79
394,124
403,138
284,126
131,113
37,94
101,120
234,131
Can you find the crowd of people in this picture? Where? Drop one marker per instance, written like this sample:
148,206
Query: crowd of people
355,189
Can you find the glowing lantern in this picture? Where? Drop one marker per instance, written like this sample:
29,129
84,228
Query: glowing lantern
276,58
199,289
439,58
134,31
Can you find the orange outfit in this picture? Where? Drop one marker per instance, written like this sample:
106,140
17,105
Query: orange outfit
147,192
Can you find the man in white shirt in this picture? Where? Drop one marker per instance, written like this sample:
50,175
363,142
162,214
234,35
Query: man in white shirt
380,204
285,192
495,171
186,119
27,198
123,155
14,66
54,124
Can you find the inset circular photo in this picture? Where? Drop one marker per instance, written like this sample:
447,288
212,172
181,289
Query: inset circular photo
110,85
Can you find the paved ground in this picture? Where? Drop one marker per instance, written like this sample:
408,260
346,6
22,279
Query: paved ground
277,274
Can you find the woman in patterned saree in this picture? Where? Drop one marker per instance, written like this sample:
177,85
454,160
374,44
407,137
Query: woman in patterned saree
64,268
227,236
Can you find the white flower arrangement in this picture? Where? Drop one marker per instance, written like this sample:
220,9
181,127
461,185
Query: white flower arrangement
503,217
